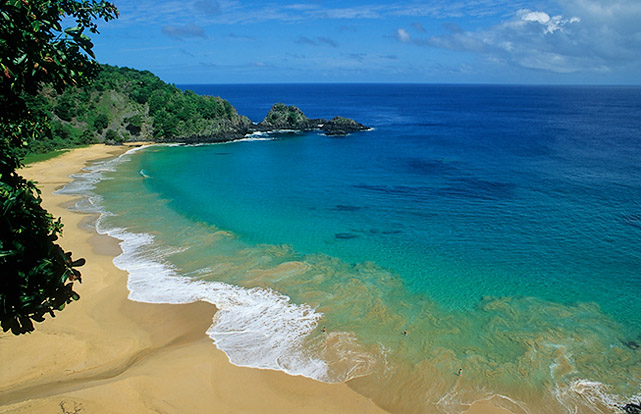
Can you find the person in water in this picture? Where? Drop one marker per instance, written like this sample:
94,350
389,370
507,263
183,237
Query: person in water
460,372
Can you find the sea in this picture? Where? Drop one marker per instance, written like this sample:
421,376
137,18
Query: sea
480,242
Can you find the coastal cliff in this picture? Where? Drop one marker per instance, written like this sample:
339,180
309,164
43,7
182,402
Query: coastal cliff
124,104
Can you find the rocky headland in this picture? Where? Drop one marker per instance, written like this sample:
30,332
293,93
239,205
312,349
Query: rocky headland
282,117
124,104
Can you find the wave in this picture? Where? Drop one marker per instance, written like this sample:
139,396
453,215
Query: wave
582,393
257,136
85,181
257,327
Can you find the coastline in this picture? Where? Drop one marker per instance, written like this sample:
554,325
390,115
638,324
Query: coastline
106,353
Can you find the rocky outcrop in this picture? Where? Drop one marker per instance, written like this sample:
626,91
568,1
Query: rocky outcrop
342,126
632,408
283,117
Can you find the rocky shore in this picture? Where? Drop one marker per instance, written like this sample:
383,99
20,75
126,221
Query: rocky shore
280,117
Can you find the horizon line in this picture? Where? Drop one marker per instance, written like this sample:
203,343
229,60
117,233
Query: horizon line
637,85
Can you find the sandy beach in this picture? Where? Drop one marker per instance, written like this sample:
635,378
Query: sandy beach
107,354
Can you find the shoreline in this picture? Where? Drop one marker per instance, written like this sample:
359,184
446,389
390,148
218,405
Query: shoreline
106,353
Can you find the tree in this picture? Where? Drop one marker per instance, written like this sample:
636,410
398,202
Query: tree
36,274
100,122
65,109
113,136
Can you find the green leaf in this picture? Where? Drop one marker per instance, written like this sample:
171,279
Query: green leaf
74,31
21,59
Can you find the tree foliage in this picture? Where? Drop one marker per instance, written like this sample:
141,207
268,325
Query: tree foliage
36,274
132,103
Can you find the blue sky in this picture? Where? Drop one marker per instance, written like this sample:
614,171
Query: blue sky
472,41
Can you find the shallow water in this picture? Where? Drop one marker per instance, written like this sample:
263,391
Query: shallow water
499,226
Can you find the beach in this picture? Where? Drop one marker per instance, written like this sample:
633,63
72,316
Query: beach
108,354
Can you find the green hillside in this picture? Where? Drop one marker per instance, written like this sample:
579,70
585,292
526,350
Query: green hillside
123,104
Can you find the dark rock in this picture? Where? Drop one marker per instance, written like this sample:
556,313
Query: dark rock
283,117
342,126
632,408
133,129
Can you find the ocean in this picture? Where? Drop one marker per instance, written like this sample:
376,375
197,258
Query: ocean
489,229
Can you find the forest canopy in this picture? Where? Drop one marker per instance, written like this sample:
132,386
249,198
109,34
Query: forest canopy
123,104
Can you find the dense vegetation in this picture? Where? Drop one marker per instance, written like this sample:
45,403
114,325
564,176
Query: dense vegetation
36,274
123,104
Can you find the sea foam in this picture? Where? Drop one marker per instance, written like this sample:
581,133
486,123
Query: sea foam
592,394
257,327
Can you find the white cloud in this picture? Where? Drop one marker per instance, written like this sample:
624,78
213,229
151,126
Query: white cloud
587,36
403,35
529,16
549,24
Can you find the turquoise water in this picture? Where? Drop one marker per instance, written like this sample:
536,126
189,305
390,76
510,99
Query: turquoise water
499,226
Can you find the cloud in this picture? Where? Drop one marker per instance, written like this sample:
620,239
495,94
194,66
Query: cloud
362,57
208,7
188,30
327,41
403,35
586,36
319,41
347,28
235,36
237,12
186,52
550,24
303,40
452,27
419,27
